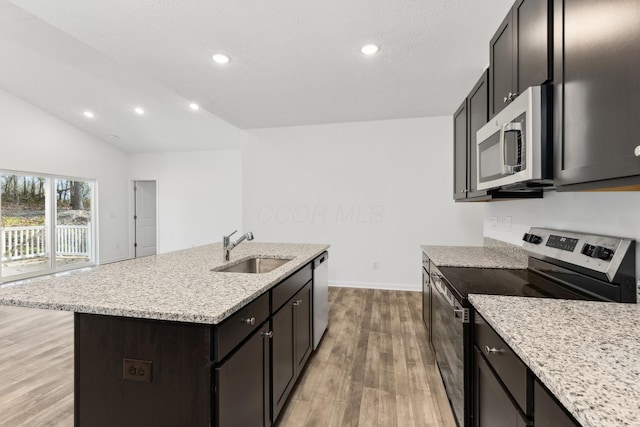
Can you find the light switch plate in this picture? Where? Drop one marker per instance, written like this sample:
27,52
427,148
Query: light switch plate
493,223
507,224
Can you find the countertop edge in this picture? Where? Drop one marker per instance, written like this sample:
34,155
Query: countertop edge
165,315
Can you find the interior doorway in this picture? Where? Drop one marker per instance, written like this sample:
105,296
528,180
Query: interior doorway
145,219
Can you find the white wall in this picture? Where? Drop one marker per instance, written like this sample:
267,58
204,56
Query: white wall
32,140
608,213
375,191
199,194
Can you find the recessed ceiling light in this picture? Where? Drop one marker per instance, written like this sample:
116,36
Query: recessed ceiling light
139,110
369,49
194,106
88,114
220,58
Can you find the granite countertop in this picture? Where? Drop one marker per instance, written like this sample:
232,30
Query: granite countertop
177,286
586,353
476,256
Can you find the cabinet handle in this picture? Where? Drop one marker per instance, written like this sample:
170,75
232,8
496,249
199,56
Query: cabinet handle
490,350
249,321
267,334
464,191
296,303
636,151
505,99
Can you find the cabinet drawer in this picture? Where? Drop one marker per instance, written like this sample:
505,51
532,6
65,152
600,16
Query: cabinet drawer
288,288
507,365
236,328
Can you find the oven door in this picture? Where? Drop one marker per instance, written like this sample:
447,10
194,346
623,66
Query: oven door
448,318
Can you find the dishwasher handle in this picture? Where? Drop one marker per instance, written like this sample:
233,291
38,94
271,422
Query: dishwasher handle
321,259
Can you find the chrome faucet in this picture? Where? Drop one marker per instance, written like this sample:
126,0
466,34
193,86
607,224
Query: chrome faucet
227,244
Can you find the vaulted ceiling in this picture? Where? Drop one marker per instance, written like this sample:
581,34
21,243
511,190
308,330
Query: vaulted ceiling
292,62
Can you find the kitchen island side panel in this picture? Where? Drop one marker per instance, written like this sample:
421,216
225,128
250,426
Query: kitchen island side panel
177,390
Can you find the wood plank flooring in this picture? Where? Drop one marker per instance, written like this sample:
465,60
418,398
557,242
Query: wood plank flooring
373,367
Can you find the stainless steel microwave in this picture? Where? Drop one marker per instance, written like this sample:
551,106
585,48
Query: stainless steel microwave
514,148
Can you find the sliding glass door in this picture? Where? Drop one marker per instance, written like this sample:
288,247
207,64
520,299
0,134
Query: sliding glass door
46,224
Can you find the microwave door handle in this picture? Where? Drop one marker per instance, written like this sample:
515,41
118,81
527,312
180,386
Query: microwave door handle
512,127
503,151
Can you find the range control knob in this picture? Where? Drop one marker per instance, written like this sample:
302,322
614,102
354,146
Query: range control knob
602,253
532,238
588,249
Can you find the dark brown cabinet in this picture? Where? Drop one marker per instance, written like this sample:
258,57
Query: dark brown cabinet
597,93
548,412
470,116
291,345
520,52
478,113
493,405
503,384
460,150
242,384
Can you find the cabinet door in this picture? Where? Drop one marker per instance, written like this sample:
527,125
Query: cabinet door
242,385
597,55
282,356
302,327
478,105
493,405
548,412
531,43
501,53
460,179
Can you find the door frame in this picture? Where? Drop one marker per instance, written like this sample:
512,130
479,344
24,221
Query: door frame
132,222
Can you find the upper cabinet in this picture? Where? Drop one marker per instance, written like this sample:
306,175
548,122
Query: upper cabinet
597,94
460,172
470,116
520,52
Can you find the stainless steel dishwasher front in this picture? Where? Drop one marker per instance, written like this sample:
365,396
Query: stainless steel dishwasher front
320,297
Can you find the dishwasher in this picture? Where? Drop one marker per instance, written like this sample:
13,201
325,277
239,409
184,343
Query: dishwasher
320,297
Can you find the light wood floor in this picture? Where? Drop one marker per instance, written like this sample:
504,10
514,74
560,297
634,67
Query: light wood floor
373,367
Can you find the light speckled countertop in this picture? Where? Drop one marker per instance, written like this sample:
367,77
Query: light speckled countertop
477,256
178,286
586,353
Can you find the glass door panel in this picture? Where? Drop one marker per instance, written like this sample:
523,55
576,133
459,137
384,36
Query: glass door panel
73,237
24,225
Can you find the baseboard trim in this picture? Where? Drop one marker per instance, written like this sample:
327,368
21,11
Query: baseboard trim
381,286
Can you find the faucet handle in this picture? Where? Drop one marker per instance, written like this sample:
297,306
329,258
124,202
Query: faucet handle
231,234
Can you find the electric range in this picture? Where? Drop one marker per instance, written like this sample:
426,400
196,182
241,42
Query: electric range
561,265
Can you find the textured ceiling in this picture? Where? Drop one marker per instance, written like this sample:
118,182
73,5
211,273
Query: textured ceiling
292,63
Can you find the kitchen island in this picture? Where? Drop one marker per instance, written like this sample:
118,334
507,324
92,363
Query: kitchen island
586,353
165,340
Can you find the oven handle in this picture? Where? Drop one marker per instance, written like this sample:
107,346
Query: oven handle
458,312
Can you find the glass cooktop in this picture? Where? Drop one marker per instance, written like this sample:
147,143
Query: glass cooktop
492,281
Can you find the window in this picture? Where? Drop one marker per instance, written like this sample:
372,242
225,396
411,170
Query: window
46,224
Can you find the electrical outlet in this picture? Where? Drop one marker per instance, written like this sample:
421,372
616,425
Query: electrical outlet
137,370
507,224
493,223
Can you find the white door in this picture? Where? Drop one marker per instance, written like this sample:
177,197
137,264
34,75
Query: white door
145,218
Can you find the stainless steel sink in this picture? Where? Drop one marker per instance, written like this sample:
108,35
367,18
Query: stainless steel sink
254,265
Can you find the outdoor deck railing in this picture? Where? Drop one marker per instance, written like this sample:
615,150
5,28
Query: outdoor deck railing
32,242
